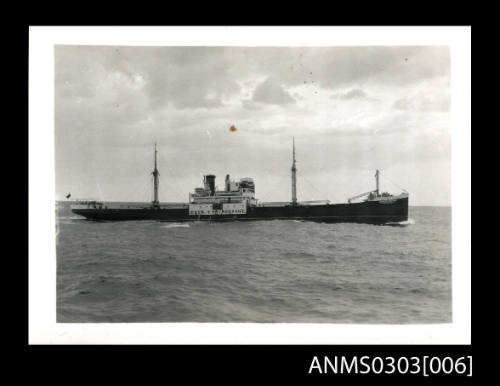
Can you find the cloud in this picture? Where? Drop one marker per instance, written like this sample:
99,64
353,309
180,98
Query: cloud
338,67
113,103
271,92
190,77
250,104
404,104
180,76
355,94
424,102
435,103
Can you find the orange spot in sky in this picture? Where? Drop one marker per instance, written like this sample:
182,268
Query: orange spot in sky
232,128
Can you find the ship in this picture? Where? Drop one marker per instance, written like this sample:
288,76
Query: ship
237,202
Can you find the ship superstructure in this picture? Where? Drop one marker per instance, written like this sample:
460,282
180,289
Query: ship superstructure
234,199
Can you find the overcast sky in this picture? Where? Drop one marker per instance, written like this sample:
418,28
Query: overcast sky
351,109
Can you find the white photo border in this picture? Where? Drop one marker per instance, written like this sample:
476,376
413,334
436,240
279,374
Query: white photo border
43,328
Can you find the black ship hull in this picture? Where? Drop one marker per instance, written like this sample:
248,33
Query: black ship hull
368,212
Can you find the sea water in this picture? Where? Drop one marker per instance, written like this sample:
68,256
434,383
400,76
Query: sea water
262,271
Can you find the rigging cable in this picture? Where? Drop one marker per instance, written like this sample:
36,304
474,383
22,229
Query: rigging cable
392,182
175,179
280,182
312,186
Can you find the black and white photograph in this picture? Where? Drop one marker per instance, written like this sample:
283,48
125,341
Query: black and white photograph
253,184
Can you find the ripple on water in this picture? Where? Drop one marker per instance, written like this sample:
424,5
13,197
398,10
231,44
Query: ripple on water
278,271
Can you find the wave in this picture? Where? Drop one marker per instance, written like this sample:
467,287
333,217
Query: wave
410,221
176,225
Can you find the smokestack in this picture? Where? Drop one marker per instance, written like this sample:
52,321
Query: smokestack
210,178
228,183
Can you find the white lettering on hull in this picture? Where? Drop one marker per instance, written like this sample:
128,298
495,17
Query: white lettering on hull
208,210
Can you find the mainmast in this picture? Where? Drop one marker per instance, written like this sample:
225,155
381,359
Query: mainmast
156,182
377,173
294,177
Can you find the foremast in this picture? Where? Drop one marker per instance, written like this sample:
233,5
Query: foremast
294,177
156,182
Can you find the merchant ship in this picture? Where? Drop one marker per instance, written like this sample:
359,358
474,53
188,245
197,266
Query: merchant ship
237,202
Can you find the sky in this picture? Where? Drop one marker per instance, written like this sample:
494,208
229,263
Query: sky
351,110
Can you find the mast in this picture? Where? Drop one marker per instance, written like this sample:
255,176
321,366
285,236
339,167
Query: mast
156,182
376,179
294,177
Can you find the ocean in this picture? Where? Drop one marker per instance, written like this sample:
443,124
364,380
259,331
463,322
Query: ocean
263,271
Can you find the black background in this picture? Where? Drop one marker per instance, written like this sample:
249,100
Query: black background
177,364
